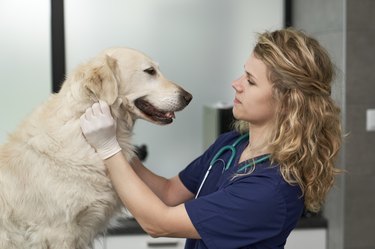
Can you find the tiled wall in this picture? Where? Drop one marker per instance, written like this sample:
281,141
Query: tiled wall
360,146
347,29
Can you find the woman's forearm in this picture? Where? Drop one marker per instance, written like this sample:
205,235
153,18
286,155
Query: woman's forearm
159,185
133,192
156,218
171,191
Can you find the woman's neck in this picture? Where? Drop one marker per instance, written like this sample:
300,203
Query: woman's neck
258,142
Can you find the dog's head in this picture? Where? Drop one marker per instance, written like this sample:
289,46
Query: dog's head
127,75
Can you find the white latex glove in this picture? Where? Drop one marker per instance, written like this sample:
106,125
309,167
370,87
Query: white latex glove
99,128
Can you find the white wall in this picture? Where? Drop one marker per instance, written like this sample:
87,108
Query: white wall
25,63
200,44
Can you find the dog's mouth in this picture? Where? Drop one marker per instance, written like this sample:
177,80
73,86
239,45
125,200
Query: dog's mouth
159,116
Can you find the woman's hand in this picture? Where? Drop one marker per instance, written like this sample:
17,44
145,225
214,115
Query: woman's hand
99,128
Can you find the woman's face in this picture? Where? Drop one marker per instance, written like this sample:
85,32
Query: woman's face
253,100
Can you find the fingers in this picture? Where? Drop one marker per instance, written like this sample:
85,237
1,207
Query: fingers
97,109
84,121
89,113
104,108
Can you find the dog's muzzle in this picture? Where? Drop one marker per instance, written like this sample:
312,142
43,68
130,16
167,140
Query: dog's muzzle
163,116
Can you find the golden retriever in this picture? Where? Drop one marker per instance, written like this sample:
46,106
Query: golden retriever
54,191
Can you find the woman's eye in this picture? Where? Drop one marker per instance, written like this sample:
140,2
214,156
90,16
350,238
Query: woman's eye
150,71
250,82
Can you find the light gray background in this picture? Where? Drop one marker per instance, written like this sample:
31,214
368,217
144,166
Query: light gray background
200,44
25,60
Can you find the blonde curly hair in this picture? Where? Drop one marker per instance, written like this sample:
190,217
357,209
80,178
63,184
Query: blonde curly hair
307,134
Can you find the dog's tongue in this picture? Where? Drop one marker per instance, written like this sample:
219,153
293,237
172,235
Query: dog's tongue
170,115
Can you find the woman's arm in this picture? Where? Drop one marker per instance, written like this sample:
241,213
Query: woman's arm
156,218
171,191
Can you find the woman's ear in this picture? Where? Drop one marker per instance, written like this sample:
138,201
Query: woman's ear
100,79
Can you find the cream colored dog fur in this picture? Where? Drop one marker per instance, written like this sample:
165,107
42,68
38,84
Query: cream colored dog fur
54,191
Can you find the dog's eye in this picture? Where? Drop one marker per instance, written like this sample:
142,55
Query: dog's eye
150,71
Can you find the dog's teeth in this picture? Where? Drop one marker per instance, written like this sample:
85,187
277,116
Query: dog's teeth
170,115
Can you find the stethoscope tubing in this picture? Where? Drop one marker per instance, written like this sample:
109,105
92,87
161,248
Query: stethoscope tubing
219,154
232,149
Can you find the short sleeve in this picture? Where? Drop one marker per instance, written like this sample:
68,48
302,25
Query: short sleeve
191,175
246,212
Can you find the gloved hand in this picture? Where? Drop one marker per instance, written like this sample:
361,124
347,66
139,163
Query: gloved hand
99,128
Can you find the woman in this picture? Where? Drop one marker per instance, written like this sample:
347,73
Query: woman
287,136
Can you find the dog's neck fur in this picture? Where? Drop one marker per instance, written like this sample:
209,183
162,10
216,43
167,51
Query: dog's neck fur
58,120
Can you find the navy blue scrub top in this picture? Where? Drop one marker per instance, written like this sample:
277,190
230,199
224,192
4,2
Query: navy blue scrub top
258,210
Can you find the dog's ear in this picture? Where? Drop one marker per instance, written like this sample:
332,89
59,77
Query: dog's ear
101,81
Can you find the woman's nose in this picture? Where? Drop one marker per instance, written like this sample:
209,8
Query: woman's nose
236,84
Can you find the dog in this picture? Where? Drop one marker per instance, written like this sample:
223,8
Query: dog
54,190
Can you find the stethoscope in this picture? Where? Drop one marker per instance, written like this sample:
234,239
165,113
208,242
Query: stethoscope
233,151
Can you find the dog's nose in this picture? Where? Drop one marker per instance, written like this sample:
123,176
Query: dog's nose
187,97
